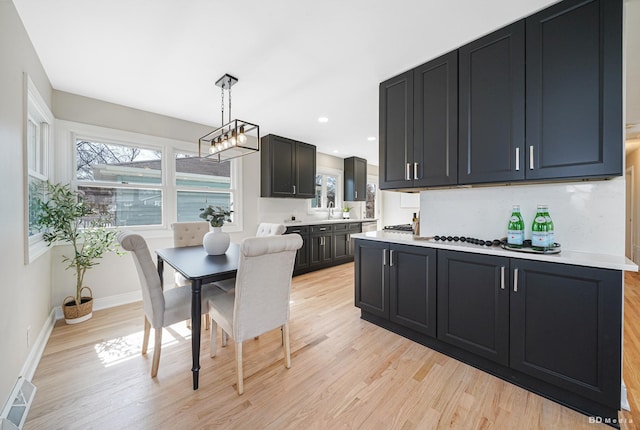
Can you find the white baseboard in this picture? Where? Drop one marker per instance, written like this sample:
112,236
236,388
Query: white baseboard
33,359
107,302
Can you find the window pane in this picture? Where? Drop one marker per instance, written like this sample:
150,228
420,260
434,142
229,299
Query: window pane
202,172
97,161
370,204
36,191
125,206
331,189
317,200
32,145
190,203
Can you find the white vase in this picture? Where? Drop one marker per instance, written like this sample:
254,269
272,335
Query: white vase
216,242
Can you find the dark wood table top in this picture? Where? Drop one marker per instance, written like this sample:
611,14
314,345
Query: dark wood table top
194,263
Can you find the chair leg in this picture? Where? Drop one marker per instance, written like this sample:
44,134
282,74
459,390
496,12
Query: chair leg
239,367
224,338
214,337
287,346
156,352
207,321
145,339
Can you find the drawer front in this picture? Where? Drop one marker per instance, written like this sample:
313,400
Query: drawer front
300,229
355,227
341,227
322,228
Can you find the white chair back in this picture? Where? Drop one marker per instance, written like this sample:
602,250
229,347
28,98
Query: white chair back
270,229
263,284
152,296
189,233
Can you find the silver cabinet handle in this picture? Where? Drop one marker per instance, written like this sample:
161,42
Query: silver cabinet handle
515,280
502,278
356,194
384,257
517,158
323,228
531,157
415,170
391,258
408,173
348,244
294,189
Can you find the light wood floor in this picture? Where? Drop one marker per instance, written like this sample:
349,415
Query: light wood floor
346,374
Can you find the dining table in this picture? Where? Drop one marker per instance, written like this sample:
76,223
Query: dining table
196,265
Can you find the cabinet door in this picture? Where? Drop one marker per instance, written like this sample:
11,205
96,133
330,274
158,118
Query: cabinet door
491,121
412,287
341,246
566,325
355,179
435,140
302,255
305,170
473,303
321,249
278,163
574,90
396,131
372,277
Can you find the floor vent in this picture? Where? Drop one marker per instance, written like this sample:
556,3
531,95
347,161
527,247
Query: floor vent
15,412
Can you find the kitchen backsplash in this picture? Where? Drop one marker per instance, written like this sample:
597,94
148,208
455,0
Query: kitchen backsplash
281,209
588,216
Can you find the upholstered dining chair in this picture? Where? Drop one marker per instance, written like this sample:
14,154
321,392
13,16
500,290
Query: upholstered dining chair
161,308
260,301
187,234
264,229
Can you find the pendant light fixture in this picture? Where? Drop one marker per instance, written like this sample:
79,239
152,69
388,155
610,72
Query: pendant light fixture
233,139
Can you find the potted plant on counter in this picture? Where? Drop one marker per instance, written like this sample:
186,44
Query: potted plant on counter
63,214
216,242
345,212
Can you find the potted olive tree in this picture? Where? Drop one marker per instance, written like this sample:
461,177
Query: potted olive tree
64,214
216,242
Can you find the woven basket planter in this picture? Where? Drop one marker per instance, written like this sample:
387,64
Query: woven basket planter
76,313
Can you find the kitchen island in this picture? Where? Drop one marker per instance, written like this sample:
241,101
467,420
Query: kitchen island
551,324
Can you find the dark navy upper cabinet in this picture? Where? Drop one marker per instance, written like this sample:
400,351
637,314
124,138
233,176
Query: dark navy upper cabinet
574,90
491,116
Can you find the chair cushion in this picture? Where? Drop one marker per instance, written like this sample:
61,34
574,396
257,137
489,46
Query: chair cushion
226,285
180,280
178,303
189,233
221,310
270,229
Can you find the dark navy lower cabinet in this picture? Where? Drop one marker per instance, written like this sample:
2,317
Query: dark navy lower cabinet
553,329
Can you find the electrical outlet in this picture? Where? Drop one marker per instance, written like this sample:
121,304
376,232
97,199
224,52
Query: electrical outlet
28,336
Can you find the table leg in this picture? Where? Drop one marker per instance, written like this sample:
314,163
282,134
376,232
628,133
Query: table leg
196,308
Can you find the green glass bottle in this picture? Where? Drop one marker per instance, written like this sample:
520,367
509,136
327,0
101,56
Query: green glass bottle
540,230
550,229
515,228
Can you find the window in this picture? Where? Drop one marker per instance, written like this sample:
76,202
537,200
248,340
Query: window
328,189
201,182
121,181
371,207
38,139
145,182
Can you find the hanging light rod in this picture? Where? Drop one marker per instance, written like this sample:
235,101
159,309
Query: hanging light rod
233,139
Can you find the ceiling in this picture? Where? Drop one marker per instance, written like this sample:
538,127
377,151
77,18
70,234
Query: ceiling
295,60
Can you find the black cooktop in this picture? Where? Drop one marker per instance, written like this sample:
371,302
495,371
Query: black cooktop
399,227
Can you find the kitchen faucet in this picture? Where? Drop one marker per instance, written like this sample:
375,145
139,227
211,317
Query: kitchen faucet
331,209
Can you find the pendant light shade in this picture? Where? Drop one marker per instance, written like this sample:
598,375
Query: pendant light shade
233,139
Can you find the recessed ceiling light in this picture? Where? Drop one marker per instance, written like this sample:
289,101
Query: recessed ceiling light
323,119
335,151
371,138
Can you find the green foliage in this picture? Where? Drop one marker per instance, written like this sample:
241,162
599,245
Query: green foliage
63,214
215,215
346,208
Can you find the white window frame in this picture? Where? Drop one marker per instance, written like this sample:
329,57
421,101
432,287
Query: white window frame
328,171
68,132
36,111
373,179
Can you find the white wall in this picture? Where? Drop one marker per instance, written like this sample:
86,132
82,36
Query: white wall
587,216
25,293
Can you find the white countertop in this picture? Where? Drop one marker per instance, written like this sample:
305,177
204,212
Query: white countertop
326,221
603,261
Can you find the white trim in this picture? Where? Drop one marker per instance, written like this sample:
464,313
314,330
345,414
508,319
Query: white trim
339,174
107,302
33,359
624,400
35,107
68,131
